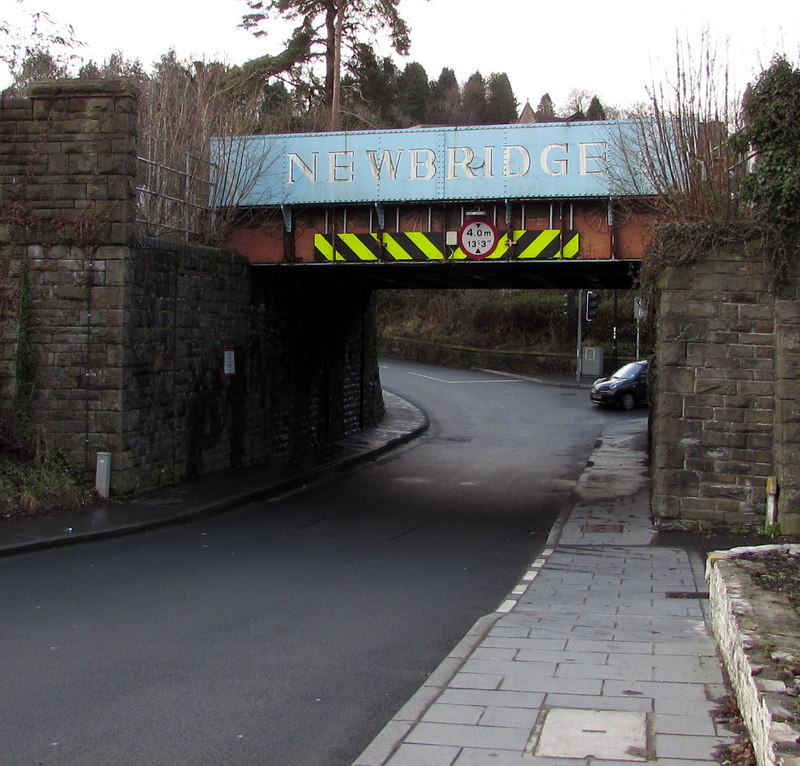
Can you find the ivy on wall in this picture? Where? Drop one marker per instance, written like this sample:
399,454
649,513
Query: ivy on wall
771,119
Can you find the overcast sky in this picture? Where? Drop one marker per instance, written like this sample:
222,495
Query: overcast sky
612,49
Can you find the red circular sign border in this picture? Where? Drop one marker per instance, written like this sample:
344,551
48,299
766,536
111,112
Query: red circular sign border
478,219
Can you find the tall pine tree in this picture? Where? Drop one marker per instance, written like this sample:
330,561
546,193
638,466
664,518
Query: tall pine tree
501,106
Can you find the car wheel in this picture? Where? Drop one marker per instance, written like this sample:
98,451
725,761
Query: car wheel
627,402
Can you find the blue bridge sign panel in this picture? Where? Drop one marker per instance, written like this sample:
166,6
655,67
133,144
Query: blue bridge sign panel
577,160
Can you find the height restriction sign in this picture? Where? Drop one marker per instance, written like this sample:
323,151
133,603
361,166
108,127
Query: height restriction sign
478,237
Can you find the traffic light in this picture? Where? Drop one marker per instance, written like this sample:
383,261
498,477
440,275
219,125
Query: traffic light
591,305
570,306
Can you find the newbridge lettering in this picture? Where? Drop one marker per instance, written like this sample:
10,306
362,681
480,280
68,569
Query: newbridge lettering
546,161
457,162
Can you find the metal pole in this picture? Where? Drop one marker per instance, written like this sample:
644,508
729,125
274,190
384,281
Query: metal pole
616,323
637,337
579,353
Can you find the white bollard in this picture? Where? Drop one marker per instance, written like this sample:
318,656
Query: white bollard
102,481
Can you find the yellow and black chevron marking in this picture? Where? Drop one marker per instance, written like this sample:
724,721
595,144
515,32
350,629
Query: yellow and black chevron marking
355,248
547,244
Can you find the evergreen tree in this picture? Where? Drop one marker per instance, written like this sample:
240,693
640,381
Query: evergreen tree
473,102
116,65
445,102
501,106
326,30
413,94
595,110
40,49
40,64
369,89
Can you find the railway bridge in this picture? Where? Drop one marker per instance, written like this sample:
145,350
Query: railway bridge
538,205
169,360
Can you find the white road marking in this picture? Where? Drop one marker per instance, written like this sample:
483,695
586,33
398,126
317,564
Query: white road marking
454,382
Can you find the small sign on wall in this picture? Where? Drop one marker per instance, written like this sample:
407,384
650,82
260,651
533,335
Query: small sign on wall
229,361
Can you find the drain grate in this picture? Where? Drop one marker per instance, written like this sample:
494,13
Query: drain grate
687,594
602,528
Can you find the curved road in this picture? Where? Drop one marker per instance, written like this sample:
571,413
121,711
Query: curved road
288,632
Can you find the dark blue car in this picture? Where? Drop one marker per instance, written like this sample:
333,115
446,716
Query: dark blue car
626,388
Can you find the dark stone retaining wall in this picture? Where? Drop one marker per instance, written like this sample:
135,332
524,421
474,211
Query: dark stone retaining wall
127,337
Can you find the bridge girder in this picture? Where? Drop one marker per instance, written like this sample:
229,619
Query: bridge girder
556,275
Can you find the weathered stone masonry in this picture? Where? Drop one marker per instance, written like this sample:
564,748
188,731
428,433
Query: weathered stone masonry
726,412
128,335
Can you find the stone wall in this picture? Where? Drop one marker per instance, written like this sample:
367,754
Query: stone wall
787,402
758,636
725,409
67,223
114,343
305,365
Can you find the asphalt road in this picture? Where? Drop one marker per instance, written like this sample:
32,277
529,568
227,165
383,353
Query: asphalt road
288,632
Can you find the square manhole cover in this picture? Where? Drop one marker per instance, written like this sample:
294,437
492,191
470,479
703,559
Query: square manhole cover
611,735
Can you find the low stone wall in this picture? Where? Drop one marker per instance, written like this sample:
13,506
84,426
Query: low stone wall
758,636
522,362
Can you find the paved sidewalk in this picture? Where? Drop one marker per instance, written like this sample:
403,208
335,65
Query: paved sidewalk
600,654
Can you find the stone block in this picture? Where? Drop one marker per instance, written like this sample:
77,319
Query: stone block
722,336
117,164
670,405
787,340
765,352
702,510
759,417
715,401
701,465
715,386
669,455
702,356
787,311
787,367
726,440
759,441
672,353
97,107
789,511
675,379
758,312
123,123
700,309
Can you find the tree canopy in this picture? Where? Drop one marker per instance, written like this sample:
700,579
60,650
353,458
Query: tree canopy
327,30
